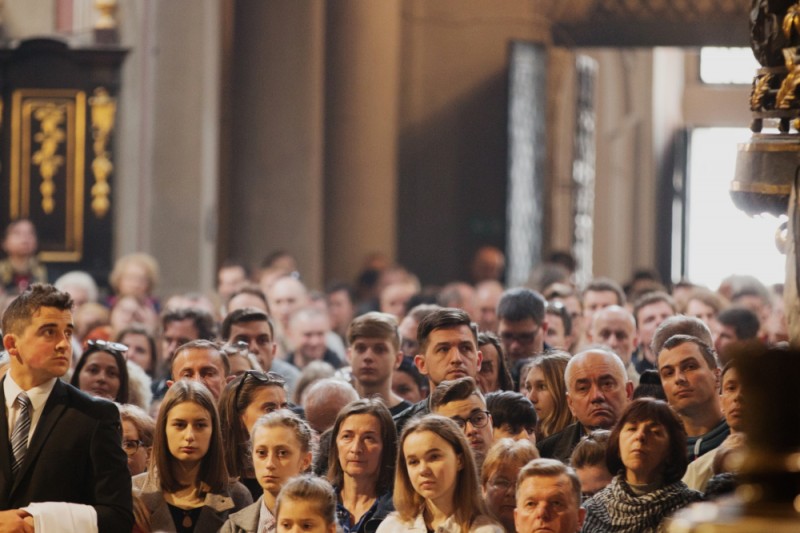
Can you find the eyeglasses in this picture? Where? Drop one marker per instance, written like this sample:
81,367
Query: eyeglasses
502,484
478,419
131,446
522,338
267,378
107,346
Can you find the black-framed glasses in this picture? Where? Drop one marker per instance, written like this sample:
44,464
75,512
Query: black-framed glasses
131,446
522,338
107,346
478,419
267,378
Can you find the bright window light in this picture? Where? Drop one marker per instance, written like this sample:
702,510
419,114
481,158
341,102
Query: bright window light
727,65
722,240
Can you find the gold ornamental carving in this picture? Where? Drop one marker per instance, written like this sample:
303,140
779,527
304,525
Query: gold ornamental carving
51,135
103,109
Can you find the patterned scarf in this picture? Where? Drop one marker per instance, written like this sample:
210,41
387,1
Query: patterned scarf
617,509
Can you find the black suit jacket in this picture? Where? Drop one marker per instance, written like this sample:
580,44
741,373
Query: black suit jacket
560,445
74,455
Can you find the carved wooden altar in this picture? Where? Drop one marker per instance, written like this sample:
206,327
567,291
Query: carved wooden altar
57,119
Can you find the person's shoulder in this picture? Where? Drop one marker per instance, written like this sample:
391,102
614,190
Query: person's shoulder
246,518
551,443
286,370
92,405
485,524
393,523
241,495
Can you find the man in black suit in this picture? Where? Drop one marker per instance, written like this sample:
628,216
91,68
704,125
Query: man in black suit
72,452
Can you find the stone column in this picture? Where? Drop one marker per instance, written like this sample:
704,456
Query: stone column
363,51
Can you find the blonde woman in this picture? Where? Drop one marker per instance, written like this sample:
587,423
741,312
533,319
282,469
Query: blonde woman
282,449
436,483
542,381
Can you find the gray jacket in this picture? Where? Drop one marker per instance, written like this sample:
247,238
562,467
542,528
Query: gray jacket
246,520
215,510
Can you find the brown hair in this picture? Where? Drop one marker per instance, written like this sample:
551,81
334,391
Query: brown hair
591,450
551,468
605,285
651,298
708,353
374,325
243,316
657,411
505,452
146,261
212,466
467,499
504,379
144,423
454,390
233,401
376,408
21,310
553,365
312,489
444,318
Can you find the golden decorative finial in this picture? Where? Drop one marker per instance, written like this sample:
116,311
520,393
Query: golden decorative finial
105,29
103,109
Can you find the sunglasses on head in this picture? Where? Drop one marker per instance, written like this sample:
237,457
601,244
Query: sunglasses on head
107,346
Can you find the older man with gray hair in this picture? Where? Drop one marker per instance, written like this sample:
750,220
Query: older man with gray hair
598,390
548,498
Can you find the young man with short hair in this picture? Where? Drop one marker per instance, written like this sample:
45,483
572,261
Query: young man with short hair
461,400
689,374
58,443
374,354
448,349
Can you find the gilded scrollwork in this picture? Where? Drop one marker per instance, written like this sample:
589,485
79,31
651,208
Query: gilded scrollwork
50,136
103,110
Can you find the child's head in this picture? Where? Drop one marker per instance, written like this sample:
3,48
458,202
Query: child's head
308,504
187,432
282,449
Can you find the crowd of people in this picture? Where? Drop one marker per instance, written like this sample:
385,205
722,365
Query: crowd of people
383,406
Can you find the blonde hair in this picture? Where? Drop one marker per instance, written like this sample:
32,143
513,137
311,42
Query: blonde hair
553,366
467,500
312,489
146,261
507,452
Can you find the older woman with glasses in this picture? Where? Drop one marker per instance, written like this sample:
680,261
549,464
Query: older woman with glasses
499,477
137,437
101,371
245,399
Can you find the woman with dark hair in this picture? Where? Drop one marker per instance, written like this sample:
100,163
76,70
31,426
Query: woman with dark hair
408,383
436,482
647,453
141,347
493,374
242,402
187,488
101,371
361,464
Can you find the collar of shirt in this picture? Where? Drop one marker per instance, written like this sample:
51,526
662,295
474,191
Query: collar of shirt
38,396
266,521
